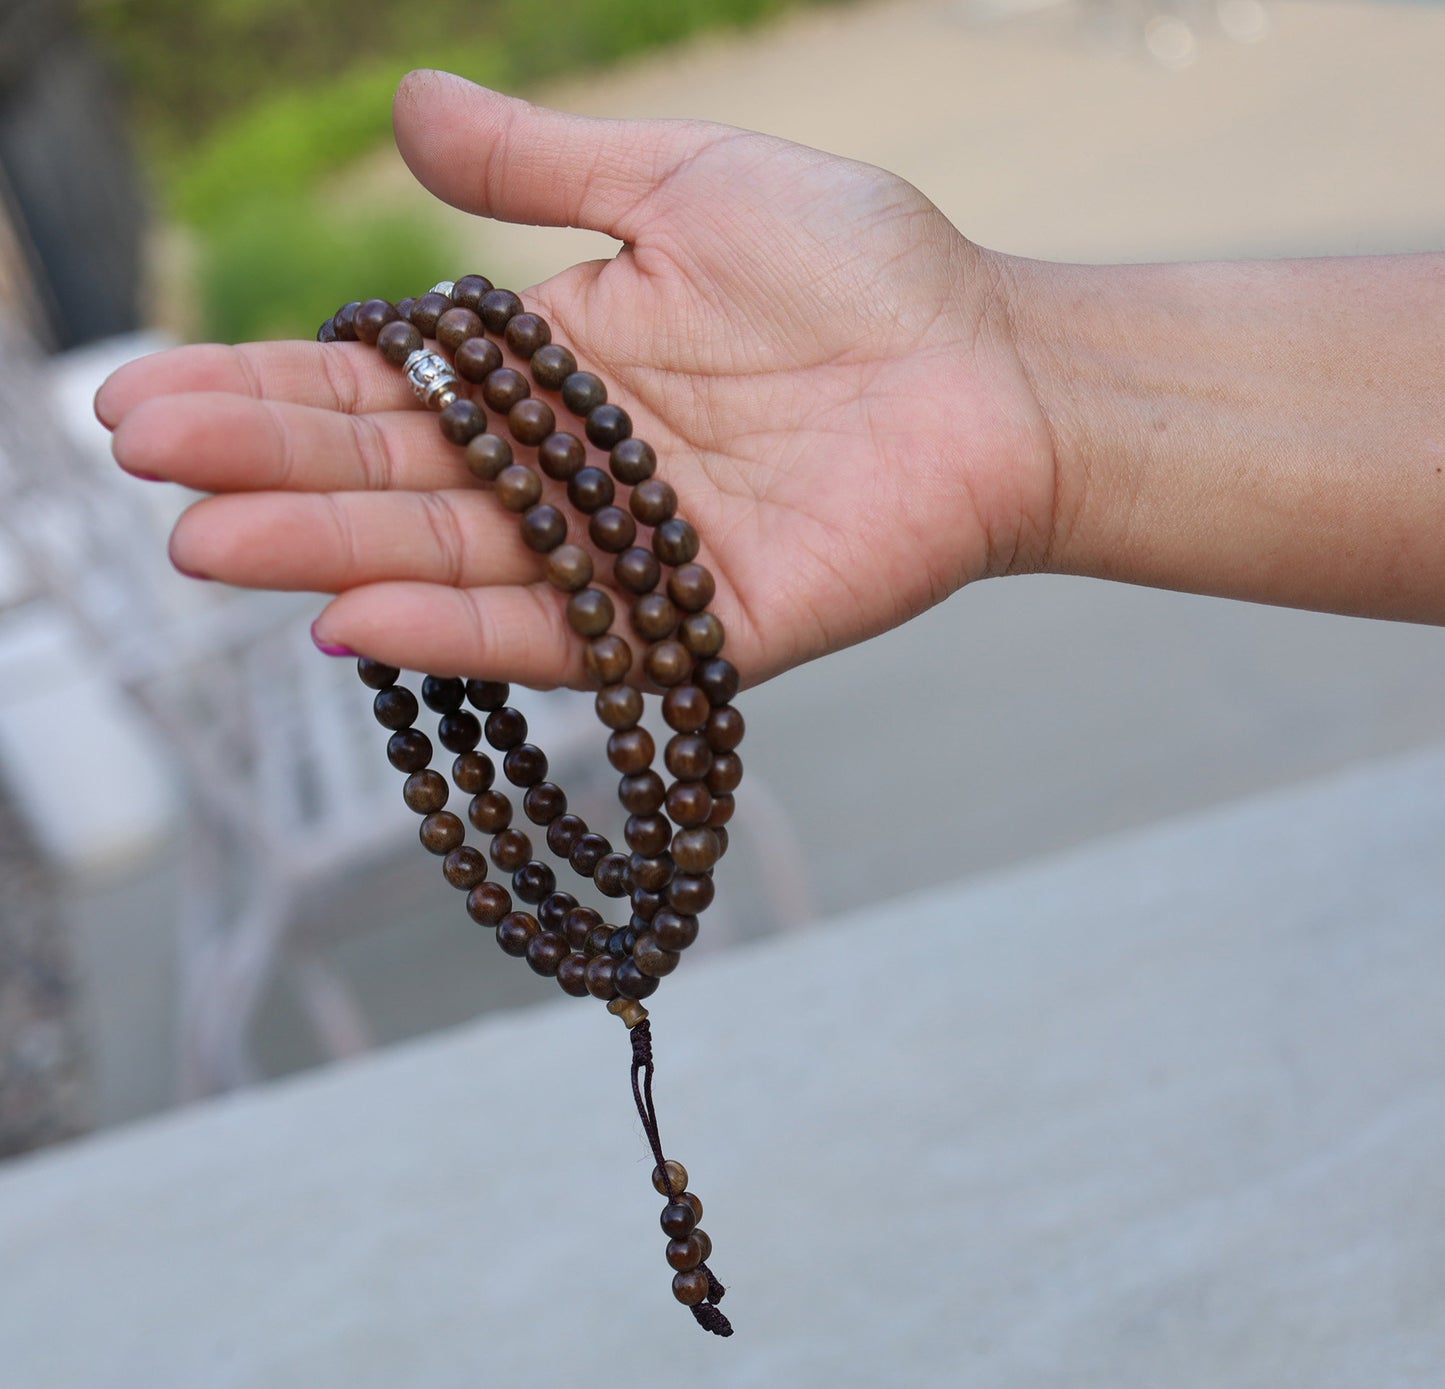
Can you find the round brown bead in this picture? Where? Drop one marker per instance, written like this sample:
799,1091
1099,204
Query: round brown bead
465,867
678,1220
725,729
515,932
632,461
611,875
690,1287
376,675
403,307
692,1199
490,812
607,659
497,308
701,1236
717,679
722,839
544,528
601,976
632,982
561,456
473,772
725,775
589,613
719,815
590,489
518,487
695,850
488,456
442,832
455,326
674,930
526,332
468,291
544,802
582,392
691,587
653,502
425,792
525,765
652,959
668,663
531,420
327,331
637,570
651,872
689,803
654,616
572,975
631,750
512,848
685,709
488,903
426,312
395,707
444,694
534,881
459,732
505,728
648,834
673,1183
563,832
477,358
619,706
408,750
553,911
675,542
578,924
642,794
690,894
645,906
344,321
569,568
612,529
503,388
688,757
597,939
702,634
396,341
608,425
552,365
684,1254
545,951
371,318
587,851
488,694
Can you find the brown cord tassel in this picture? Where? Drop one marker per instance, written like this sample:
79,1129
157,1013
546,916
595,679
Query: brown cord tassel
708,1315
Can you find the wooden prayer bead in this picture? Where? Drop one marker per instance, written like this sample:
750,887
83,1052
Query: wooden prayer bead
673,1183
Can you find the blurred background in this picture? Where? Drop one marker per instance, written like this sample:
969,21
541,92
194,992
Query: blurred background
206,876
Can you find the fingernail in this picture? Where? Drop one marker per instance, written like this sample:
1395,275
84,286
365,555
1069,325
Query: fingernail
329,648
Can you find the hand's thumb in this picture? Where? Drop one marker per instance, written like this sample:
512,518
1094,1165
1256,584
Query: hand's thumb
502,157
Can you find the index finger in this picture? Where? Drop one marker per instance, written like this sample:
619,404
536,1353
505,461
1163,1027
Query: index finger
346,377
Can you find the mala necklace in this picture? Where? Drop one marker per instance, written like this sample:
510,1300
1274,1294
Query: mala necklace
675,833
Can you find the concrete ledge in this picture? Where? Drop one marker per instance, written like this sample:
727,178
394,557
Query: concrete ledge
1164,1111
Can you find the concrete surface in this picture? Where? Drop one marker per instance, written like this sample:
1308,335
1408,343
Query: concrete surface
1162,1111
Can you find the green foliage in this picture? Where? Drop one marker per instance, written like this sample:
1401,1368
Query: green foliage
277,269
246,106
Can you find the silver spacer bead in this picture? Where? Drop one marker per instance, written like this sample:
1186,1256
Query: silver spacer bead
443,287
432,378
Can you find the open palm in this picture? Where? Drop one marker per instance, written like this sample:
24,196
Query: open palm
821,361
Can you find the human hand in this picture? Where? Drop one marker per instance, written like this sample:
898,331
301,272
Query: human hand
823,364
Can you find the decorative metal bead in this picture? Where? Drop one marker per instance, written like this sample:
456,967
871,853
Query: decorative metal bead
432,378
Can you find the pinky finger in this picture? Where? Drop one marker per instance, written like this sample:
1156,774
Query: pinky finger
512,633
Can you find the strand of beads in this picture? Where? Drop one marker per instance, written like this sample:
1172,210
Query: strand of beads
675,833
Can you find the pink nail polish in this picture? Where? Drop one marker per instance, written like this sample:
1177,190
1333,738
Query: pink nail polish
330,648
